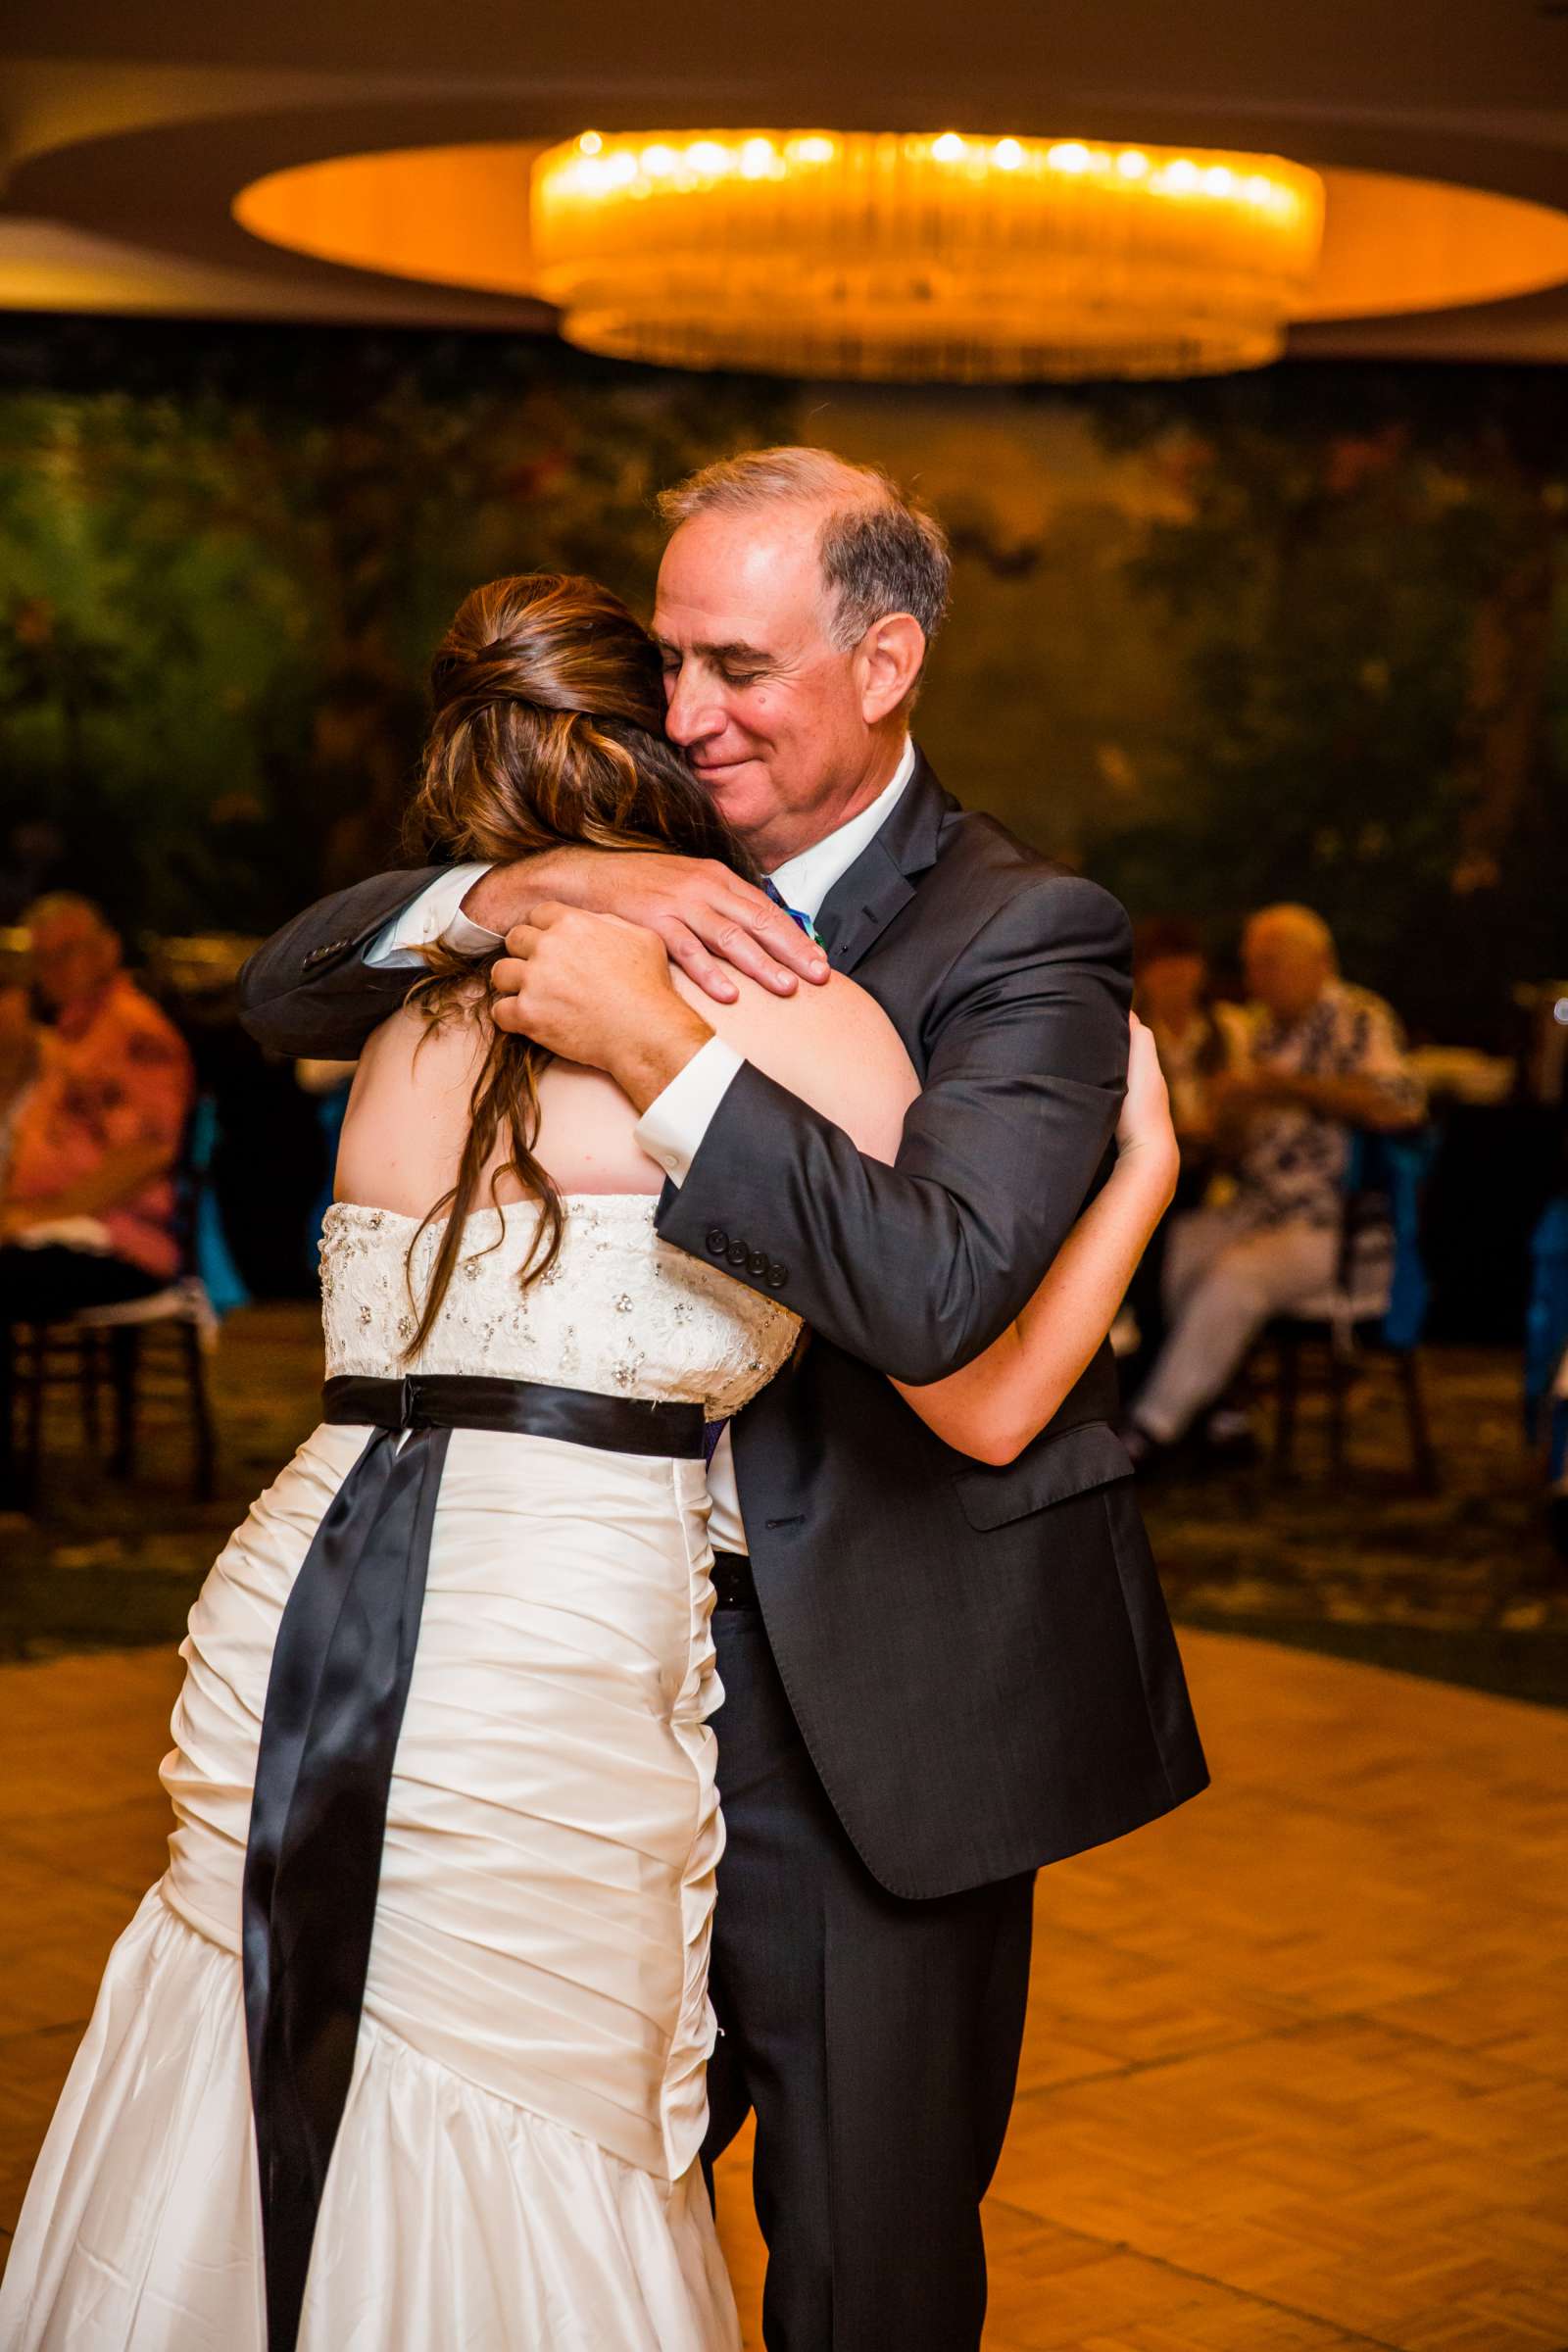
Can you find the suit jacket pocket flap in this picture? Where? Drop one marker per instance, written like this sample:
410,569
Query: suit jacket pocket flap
1054,1467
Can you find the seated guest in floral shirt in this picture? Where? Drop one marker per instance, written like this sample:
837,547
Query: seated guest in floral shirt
1325,1058
87,1205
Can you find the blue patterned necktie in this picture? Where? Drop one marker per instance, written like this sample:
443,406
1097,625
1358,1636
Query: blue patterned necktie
794,914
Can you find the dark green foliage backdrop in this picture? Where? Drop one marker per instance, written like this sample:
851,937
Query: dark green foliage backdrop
225,555
1303,633
1374,579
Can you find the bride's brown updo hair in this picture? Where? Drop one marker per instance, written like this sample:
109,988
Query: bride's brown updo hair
547,732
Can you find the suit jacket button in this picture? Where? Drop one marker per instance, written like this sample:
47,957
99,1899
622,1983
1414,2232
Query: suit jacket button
757,1263
717,1240
777,1275
737,1253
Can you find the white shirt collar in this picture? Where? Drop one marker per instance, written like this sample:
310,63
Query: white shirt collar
803,881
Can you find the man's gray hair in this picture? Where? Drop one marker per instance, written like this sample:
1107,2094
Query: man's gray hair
880,553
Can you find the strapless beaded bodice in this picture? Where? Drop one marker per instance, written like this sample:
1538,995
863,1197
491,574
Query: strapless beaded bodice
619,1312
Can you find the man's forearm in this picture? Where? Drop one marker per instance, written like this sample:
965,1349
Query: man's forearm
1359,1101
507,894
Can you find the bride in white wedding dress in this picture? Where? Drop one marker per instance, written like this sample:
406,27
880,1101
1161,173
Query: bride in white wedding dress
453,1675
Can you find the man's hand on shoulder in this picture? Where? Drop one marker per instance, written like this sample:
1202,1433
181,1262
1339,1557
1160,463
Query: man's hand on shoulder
596,989
711,922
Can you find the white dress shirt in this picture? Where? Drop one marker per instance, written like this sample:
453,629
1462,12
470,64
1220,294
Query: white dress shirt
436,913
672,1127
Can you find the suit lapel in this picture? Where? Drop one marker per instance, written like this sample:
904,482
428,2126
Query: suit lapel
881,882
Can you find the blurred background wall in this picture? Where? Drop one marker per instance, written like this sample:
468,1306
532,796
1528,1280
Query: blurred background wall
1303,633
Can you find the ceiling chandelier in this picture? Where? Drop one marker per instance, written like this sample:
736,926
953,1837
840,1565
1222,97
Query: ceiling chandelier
922,257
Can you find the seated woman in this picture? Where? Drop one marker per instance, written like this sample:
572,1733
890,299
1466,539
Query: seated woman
409,2045
1198,1036
1198,1039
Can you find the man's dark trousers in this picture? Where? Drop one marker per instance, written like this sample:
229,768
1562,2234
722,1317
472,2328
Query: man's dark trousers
860,2029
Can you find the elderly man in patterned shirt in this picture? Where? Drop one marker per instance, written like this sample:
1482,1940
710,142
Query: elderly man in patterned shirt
87,1207
1326,1056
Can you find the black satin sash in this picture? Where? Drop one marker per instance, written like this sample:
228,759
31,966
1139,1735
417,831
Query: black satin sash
335,1699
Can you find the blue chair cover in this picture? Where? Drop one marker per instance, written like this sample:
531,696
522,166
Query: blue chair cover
1397,1166
1547,1326
215,1260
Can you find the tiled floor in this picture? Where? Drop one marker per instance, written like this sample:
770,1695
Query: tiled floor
1297,2071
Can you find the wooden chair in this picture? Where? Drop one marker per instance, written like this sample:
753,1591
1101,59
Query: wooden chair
1374,1311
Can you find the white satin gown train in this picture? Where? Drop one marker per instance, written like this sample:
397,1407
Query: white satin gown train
516,2166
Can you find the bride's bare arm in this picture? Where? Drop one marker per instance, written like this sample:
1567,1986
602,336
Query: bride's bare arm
832,1045
996,1406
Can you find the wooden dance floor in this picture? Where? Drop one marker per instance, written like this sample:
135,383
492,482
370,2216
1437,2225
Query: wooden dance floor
1297,2071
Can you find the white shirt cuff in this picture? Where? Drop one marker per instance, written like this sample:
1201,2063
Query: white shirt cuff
672,1127
435,915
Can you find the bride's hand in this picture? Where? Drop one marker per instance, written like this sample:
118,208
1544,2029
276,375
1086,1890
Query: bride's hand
1145,1131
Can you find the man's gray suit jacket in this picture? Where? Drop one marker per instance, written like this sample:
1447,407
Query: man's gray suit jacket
979,1659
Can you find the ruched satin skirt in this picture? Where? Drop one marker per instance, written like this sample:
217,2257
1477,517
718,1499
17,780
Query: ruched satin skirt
516,2166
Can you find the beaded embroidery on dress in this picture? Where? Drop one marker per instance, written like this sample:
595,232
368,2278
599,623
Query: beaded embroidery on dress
619,1311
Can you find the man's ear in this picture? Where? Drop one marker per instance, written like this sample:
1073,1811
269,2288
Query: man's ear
889,657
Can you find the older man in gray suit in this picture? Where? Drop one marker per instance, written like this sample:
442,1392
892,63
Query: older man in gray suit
939,1675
